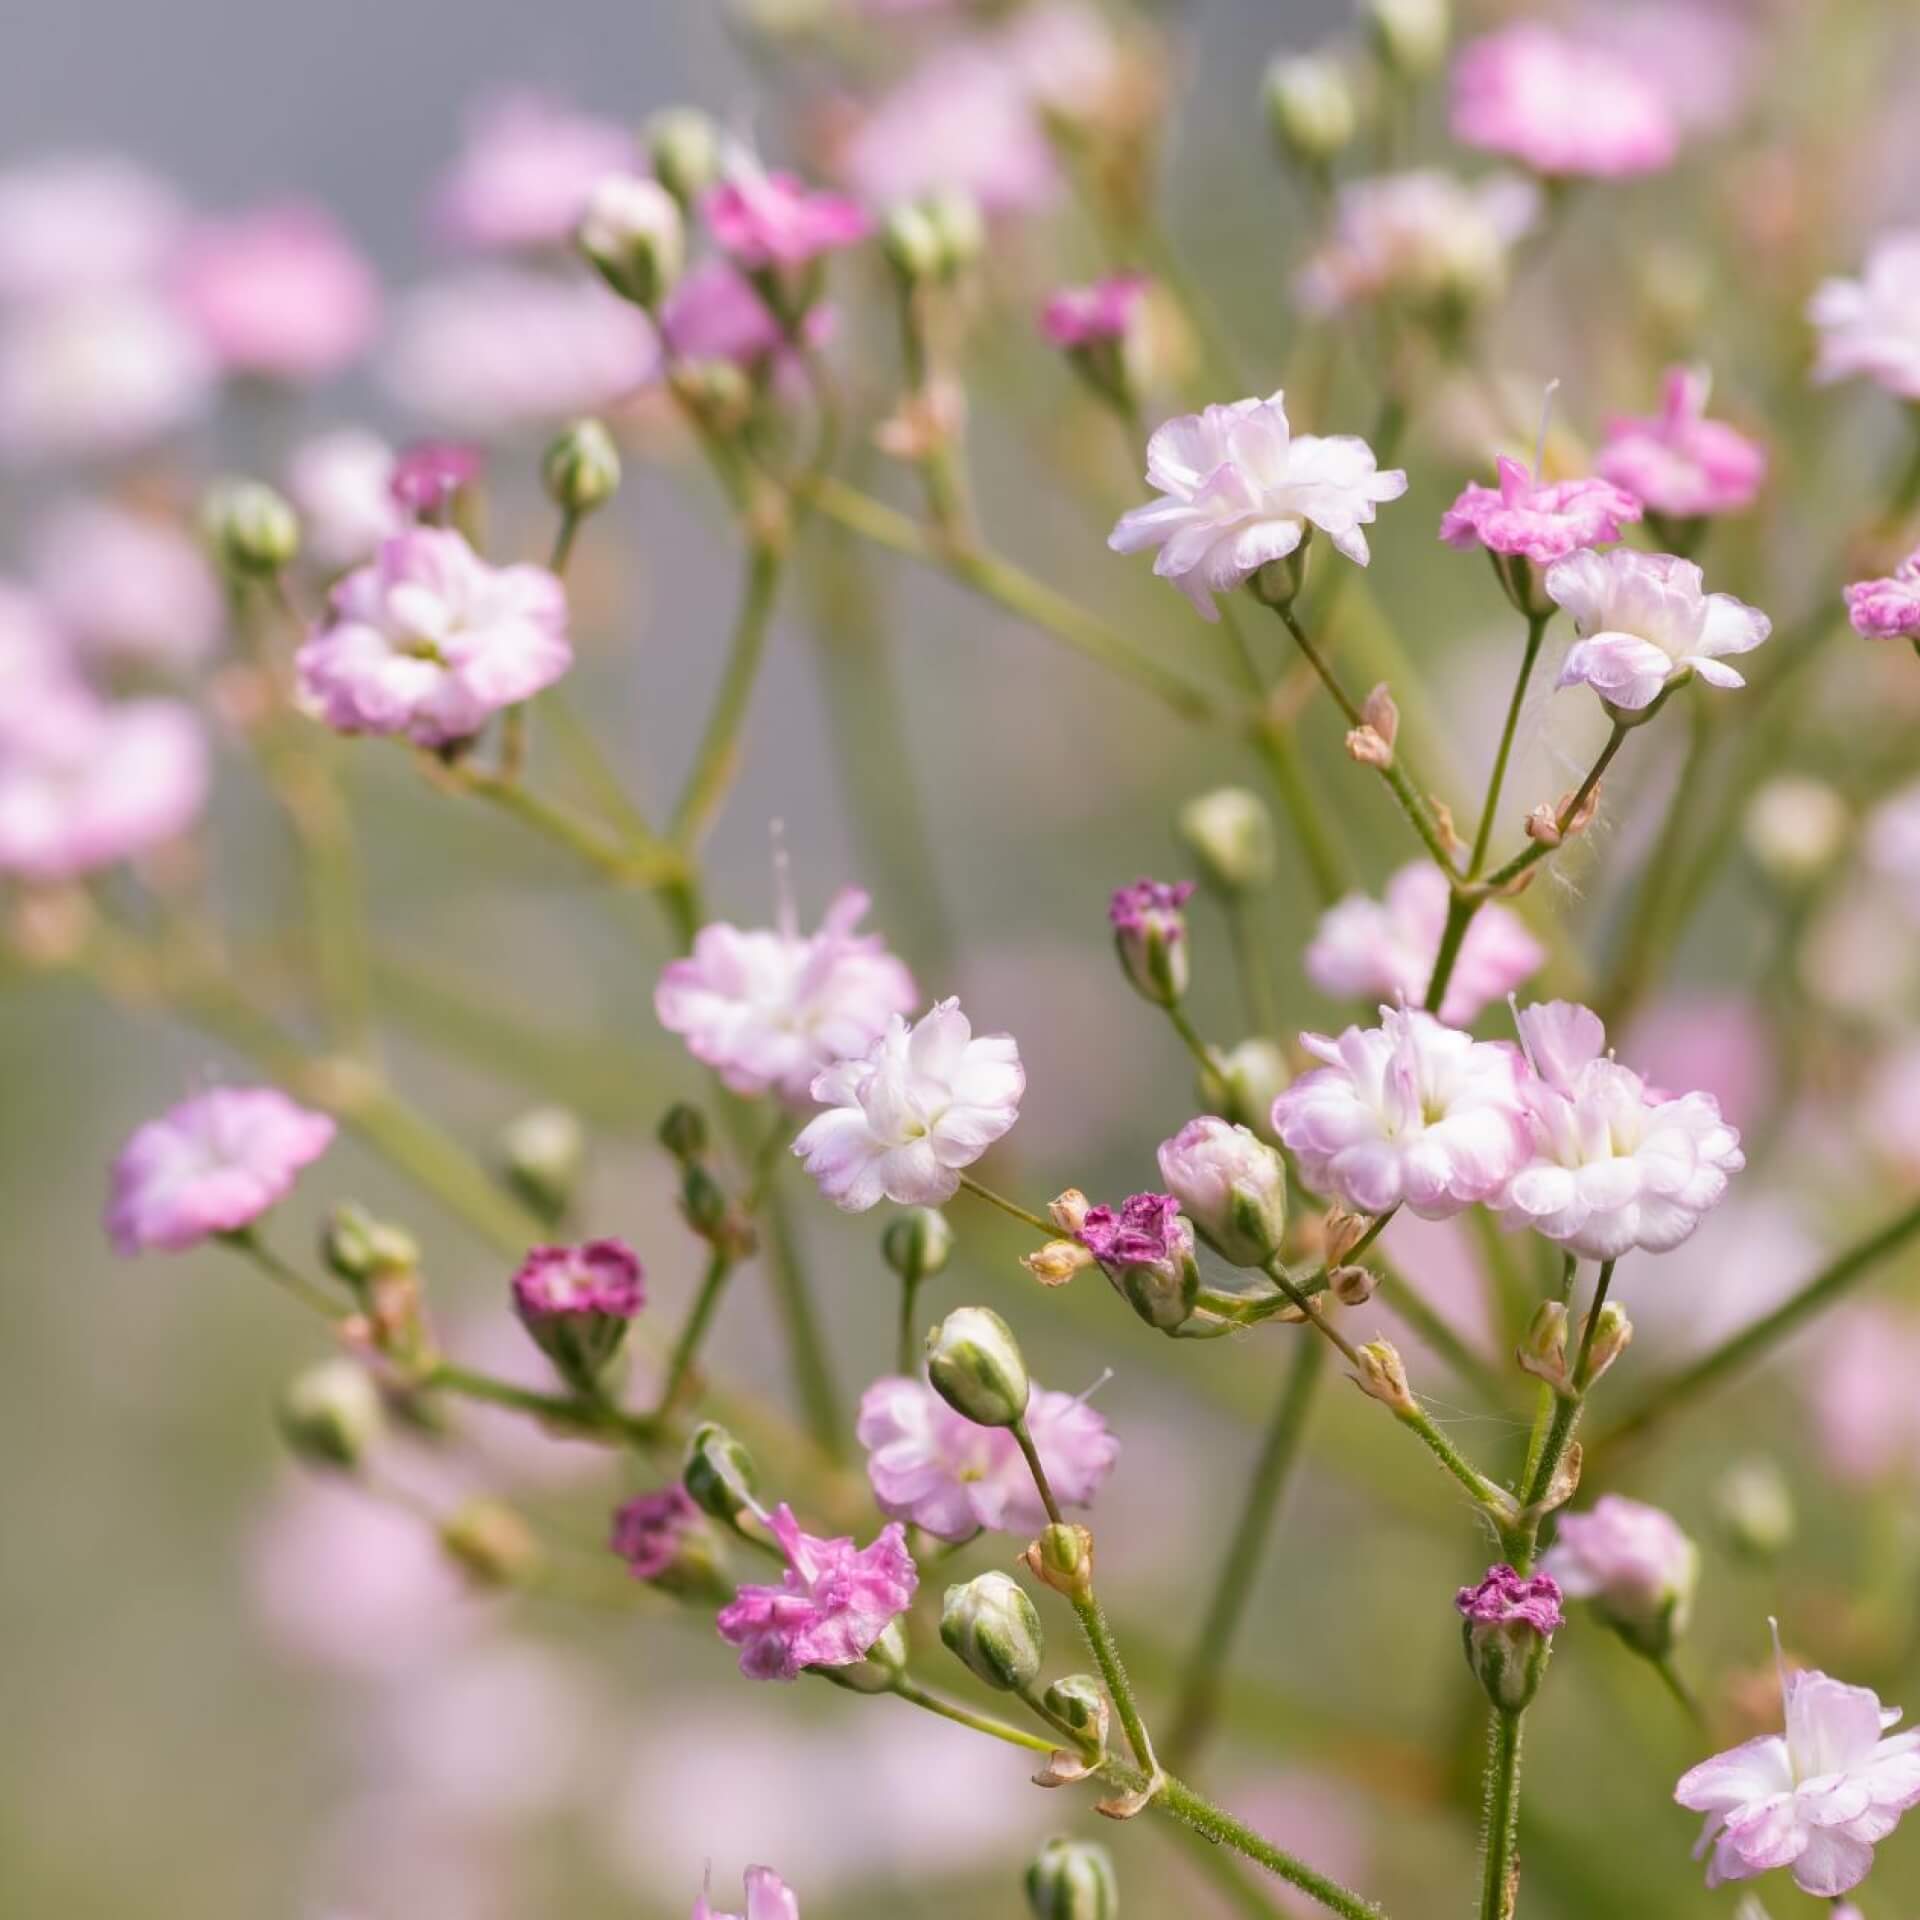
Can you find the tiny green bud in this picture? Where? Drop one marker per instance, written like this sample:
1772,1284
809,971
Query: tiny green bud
975,1365
880,1670
1543,1352
1250,1077
582,468
330,1414
492,1543
360,1248
960,227
703,1201
1612,1333
911,242
1231,834
1279,582
1410,36
718,1475
917,1244
1062,1558
251,529
634,236
1080,1702
684,1131
1072,1880
990,1624
684,147
545,1152
1311,108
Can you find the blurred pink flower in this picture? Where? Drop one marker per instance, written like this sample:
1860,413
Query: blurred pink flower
648,1530
1678,462
1860,1386
79,222
430,641
1718,1042
37,671
599,1277
769,1009
429,474
768,1898
1871,326
1631,1559
1562,107
342,483
1094,315
1892,1108
934,1467
525,167
1541,521
1891,844
1385,949
715,314
280,293
773,220
211,1165
1698,54
1887,609
126,586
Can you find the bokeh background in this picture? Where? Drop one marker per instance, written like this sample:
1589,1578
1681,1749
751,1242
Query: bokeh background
230,1692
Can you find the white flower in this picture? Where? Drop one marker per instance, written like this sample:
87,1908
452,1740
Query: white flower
926,1101
1409,1113
1645,623
342,482
1615,1164
1242,489
1871,326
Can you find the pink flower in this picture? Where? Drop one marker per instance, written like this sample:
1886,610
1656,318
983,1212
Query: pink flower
1097,315
1614,1164
1146,1250
1541,521
127,586
1871,326
1241,489
1409,1113
598,1278
36,668
1645,623
769,220
934,1467
429,473
1678,462
926,1101
1891,845
1561,106
523,173
1860,1387
715,314
1232,1185
1385,949
83,786
211,1165
430,641
1817,1800
771,1009
1633,1562
833,1602
1888,609
768,1898
648,1531
1506,1598
342,482
280,292
77,223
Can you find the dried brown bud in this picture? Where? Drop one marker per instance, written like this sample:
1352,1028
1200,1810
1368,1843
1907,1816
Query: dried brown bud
1543,824
1068,1211
1057,1262
1443,823
1341,1230
1353,1286
1368,747
1380,713
924,422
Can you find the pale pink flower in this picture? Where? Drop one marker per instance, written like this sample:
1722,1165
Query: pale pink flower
833,1602
1562,107
650,1530
1632,1561
1645,623
1240,489
37,670
80,222
714,313
1891,1108
126,586
926,1101
1541,521
428,475
1698,54
770,1009
281,292
1890,843
1889,608
768,1898
1679,463
1385,949
1719,1042
1817,1800
1871,326
523,173
1615,1164
1860,1389
342,482
934,1467
430,641
1095,315
763,221
1409,1113
211,1165
84,786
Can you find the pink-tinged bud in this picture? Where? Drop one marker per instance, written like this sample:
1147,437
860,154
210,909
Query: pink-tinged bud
1507,1624
1380,712
428,475
1543,825
1383,1377
1543,1353
1146,1250
1341,1230
1612,1335
1098,328
1062,1558
634,236
1231,1185
1634,1564
1150,936
1369,748
576,1303
665,1542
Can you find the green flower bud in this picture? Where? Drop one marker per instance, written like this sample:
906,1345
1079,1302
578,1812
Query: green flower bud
360,1248
1080,1702
1755,1506
960,227
1310,107
1410,36
1247,1081
330,1414
492,1544
703,1201
991,1625
634,237
684,1131
251,529
684,148
1231,834
917,1244
545,1152
976,1367
718,1475
582,468
911,242
1072,1880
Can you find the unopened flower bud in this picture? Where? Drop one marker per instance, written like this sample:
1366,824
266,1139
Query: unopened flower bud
1635,1566
360,1248
1062,1558
1231,834
1410,36
684,149
1150,936
976,1367
634,236
911,242
1310,108
879,1670
1248,1079
1755,1506
1231,1185
545,1152
991,1625
960,227
491,1542
1543,824
664,1541
1383,1377
719,393
1068,1210
582,468
1381,713
1278,584
1341,1230
1612,1334
1507,1624
1080,1702
252,530
703,1201
1353,1286
1543,1353
1054,1264
1795,828
718,1474
576,1304
684,1131
1072,1880
330,1414
916,1245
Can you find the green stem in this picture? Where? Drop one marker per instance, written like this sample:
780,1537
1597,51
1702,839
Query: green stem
1539,850
1500,1883
1279,751
1190,1038
1106,1655
694,1330
1461,907
596,1417
1024,1436
1250,961
916,1695
564,536
636,862
288,1278
806,1346
908,1354
968,1184
1490,806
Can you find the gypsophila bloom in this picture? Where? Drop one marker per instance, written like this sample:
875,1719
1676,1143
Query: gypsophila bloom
1241,489
1232,1185
768,1898
926,1101
1541,521
1679,463
1409,1113
1146,1249
1891,844
769,1009
1645,622
1150,935
930,1465
598,1277
766,220
1505,1596
74,223
1561,106
1385,949
523,173
1094,315
833,1602
1817,1800
1889,608
649,1529
213,1164
126,586
1871,326
430,641
1507,1624
1614,1164
429,474
342,483
1633,1562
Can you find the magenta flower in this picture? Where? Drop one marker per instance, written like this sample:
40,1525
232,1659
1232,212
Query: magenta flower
649,1530
1541,521
770,220
280,292
429,641
833,1602
428,474
1889,608
1505,1597
768,1898
1564,107
714,313
1678,462
211,1165
523,173
599,1279
1871,326
1145,1249
1385,949
127,586
936,1468
1097,315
